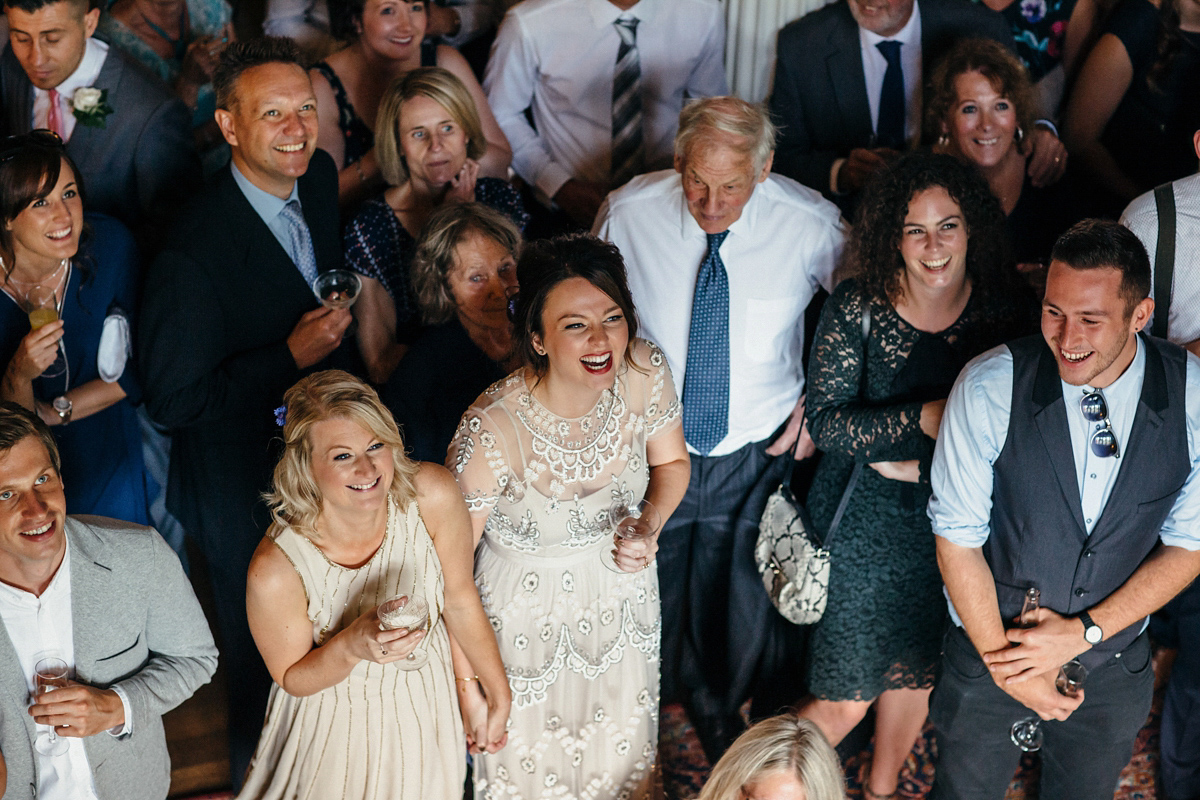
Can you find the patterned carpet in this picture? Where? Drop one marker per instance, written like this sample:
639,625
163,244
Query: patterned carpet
685,767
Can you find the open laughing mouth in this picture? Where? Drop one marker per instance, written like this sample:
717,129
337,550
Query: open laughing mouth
364,487
291,148
60,234
41,532
597,365
936,265
1075,358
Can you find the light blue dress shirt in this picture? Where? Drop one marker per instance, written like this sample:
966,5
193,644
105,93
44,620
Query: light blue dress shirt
268,206
975,427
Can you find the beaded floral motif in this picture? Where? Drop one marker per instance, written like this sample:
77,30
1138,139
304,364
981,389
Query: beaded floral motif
577,460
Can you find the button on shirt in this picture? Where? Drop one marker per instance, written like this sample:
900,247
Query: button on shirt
39,627
558,56
781,249
84,75
268,207
975,427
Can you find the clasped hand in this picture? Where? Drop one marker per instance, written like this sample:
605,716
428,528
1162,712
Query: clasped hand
485,722
78,710
1037,651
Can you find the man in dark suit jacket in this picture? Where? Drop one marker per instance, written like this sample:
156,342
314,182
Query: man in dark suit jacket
138,161
229,322
820,98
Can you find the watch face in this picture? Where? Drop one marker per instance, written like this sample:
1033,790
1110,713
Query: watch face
62,405
1093,634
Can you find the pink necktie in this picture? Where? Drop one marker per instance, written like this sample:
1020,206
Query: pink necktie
54,118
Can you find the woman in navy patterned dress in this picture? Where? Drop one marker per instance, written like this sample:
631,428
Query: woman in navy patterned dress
428,145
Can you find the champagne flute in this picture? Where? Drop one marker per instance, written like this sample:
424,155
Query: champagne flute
50,674
631,522
410,612
42,304
337,288
1027,733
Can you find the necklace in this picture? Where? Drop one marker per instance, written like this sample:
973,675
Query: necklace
61,265
178,44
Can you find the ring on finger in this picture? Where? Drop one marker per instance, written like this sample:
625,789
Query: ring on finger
383,649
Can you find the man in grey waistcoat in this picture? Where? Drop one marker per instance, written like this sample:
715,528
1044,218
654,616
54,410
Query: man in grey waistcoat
109,600
1065,463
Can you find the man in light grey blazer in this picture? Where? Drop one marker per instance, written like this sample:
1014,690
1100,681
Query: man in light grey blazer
138,158
110,600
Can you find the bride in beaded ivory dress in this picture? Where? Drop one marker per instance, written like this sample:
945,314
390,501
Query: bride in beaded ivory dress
541,457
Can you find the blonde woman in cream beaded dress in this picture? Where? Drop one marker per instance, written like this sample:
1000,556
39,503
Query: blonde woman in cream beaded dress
356,711
541,458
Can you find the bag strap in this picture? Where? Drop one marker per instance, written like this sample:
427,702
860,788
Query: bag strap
858,467
1164,258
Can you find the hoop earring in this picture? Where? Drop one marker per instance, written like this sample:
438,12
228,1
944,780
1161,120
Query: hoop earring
943,140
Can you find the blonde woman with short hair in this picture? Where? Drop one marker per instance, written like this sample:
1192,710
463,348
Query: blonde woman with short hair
357,711
780,758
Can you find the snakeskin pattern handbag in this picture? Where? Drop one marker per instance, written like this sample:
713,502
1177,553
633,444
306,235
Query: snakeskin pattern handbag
791,558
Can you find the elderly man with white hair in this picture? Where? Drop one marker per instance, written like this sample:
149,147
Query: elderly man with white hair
723,259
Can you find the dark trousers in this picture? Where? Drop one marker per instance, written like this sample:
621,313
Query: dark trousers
718,624
1082,757
1181,707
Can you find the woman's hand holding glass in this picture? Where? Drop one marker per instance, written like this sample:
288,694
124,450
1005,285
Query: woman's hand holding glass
366,641
36,352
635,535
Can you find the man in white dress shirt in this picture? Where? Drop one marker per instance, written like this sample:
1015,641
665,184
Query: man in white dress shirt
1066,463
583,64
110,600
1177,627
723,259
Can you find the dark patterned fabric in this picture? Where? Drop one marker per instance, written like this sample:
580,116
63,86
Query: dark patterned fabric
379,247
358,135
883,625
1039,28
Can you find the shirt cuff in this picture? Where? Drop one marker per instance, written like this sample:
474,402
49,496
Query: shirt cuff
833,176
1048,125
127,728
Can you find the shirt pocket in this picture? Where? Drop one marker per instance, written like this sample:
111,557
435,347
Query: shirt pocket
769,323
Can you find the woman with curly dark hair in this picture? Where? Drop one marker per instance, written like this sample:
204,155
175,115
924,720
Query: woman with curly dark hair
933,282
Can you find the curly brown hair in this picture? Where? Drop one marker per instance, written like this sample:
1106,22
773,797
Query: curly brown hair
874,250
994,61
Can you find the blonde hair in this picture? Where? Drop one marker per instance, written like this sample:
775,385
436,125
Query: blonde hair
720,119
295,499
783,743
442,87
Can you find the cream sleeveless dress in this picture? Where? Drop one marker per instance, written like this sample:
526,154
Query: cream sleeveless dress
579,642
383,733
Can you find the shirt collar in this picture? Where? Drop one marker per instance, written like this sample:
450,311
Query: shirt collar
60,583
94,53
605,13
264,203
1125,388
911,32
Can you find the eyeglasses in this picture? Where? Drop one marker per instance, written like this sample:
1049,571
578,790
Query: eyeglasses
11,146
1104,440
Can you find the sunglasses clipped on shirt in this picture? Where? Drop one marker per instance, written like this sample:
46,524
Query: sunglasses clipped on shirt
1104,440
11,146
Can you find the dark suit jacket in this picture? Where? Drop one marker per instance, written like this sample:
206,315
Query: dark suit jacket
819,97
142,164
219,303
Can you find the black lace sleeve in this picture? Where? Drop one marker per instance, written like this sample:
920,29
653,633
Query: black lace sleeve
839,418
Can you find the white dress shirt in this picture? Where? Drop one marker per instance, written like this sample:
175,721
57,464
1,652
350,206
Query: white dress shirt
84,75
558,56
1141,217
783,247
975,427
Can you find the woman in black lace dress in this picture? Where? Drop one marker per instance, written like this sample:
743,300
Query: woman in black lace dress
932,265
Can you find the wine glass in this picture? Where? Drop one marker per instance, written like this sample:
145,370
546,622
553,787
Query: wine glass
1027,733
337,288
50,674
631,522
42,302
410,612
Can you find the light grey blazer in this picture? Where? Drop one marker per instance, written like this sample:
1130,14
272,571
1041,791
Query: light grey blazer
137,625
142,164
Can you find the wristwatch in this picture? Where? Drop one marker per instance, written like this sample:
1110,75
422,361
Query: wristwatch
1091,631
62,406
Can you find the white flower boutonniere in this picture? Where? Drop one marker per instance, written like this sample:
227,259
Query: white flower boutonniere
90,106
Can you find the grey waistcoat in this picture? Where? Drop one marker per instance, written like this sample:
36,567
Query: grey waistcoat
1038,536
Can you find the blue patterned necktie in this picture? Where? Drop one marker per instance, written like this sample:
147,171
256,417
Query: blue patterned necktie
706,377
889,128
628,152
302,246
